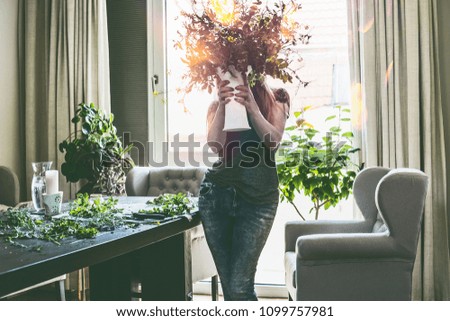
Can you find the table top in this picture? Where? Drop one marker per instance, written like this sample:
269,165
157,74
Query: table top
22,267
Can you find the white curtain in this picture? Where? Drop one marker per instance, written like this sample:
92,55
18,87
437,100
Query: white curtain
63,61
398,114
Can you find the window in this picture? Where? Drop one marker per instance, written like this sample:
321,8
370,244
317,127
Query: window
325,67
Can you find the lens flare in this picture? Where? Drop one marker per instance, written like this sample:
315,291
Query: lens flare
359,116
389,73
367,26
223,10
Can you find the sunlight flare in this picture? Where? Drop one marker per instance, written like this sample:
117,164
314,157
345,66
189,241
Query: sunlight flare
359,116
389,73
223,10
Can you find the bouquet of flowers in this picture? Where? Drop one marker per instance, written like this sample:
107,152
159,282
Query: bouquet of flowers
247,37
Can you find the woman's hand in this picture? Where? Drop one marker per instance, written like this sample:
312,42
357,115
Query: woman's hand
270,130
245,97
225,92
216,137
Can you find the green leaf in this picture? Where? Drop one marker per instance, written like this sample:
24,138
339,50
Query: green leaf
330,117
348,134
335,129
290,128
86,129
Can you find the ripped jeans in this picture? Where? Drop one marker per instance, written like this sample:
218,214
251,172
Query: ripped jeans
236,232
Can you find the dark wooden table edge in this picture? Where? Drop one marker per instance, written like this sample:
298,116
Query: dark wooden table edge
29,275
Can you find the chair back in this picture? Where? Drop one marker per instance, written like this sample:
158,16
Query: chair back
400,199
9,187
364,187
146,181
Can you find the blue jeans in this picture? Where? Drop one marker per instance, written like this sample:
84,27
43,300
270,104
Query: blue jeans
236,232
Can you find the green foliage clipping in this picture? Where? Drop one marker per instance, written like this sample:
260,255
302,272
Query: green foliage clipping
170,205
86,219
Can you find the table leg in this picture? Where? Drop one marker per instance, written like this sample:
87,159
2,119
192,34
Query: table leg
163,269
110,280
166,269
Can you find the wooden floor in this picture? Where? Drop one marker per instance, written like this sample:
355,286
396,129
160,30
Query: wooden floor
50,293
44,293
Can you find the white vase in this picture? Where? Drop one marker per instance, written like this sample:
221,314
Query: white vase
235,113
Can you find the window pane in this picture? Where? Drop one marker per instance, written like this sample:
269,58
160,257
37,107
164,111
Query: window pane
327,51
186,113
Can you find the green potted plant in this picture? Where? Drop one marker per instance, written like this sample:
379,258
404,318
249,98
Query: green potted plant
95,154
318,166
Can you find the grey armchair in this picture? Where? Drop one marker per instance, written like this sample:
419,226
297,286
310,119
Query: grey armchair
145,181
371,259
9,187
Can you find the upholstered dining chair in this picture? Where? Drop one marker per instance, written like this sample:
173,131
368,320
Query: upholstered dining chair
370,259
9,197
145,181
9,187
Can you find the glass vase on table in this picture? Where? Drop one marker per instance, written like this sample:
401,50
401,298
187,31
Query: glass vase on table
38,184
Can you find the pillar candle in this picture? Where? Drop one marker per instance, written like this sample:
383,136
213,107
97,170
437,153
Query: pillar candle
52,181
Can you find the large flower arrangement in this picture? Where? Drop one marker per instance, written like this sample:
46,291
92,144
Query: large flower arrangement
219,34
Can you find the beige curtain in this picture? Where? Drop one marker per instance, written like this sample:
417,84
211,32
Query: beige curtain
398,110
63,61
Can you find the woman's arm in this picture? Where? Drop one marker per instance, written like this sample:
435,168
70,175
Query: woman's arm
216,137
270,130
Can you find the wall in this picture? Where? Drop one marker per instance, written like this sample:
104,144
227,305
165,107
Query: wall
128,52
9,85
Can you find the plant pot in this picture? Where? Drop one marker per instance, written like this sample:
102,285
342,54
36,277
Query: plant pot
236,119
111,181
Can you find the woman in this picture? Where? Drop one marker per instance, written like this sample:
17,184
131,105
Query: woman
239,195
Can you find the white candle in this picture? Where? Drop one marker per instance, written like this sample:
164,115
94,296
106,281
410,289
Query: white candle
52,181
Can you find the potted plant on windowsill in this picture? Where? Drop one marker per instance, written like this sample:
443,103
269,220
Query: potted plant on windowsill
239,40
96,155
317,166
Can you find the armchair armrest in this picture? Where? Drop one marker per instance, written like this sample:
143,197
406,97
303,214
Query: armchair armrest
348,246
295,229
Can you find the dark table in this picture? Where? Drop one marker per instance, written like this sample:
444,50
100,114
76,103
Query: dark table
157,257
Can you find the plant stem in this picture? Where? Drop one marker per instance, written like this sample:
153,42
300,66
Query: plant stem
317,206
298,212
